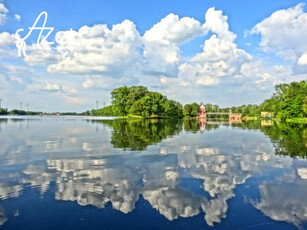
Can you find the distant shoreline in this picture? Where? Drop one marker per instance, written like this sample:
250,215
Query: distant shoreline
83,117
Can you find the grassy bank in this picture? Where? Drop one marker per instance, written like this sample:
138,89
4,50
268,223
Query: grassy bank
297,120
131,116
248,118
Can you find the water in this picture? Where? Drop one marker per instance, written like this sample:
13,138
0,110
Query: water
75,173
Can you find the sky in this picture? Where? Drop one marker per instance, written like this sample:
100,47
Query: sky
225,52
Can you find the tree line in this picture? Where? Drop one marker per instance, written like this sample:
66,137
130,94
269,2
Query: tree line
139,101
288,101
18,112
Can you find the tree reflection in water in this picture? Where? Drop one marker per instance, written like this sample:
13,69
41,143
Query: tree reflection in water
99,172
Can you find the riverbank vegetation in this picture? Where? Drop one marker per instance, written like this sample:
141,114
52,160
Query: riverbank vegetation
3,111
288,103
137,101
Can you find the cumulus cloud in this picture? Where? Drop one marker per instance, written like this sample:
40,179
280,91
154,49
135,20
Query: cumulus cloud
220,57
97,49
3,12
120,50
302,59
7,45
217,23
172,29
161,44
90,50
7,39
40,55
285,32
109,57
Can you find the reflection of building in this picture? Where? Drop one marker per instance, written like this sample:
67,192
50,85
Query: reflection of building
202,124
235,117
266,123
267,114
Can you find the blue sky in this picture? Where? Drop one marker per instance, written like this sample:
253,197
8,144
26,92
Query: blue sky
217,51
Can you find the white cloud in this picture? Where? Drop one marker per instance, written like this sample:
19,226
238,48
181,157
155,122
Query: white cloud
303,59
7,45
220,57
171,29
217,23
97,49
118,51
17,17
3,12
161,44
104,58
7,39
40,55
53,87
285,32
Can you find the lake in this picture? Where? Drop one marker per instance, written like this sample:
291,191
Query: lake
80,173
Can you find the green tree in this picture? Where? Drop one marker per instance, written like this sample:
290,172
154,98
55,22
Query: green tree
3,111
190,110
173,109
17,112
187,110
106,111
124,97
194,109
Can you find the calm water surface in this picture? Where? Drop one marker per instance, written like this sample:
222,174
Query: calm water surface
67,173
